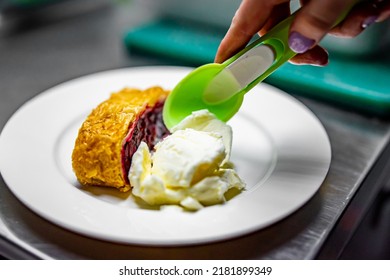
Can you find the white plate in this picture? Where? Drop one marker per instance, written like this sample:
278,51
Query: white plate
280,149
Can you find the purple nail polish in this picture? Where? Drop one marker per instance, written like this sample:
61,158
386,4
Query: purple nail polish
368,21
299,43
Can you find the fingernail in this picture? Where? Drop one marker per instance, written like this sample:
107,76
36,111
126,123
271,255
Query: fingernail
299,43
369,21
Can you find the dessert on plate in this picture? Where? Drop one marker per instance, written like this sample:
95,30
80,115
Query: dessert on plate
124,144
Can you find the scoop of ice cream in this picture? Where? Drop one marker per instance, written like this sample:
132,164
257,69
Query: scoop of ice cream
188,167
187,156
203,120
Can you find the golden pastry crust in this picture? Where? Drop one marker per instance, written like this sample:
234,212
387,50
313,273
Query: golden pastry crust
97,154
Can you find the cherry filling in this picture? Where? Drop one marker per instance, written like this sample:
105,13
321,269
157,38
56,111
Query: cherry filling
148,127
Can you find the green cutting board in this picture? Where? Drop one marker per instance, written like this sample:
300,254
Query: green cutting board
362,85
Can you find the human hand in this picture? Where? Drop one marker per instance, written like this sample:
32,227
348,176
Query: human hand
312,22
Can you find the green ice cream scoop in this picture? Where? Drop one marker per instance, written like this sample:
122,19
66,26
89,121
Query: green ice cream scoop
220,88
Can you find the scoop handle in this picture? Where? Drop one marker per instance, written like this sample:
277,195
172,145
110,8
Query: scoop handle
277,39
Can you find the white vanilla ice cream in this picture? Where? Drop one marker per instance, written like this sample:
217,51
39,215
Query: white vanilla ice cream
190,167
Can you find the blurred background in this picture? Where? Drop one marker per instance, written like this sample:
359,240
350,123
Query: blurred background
189,32
46,42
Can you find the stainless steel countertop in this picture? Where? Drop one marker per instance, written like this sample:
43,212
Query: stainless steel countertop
38,57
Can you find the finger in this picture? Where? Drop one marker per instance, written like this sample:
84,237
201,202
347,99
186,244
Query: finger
278,13
317,56
361,16
248,20
314,20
